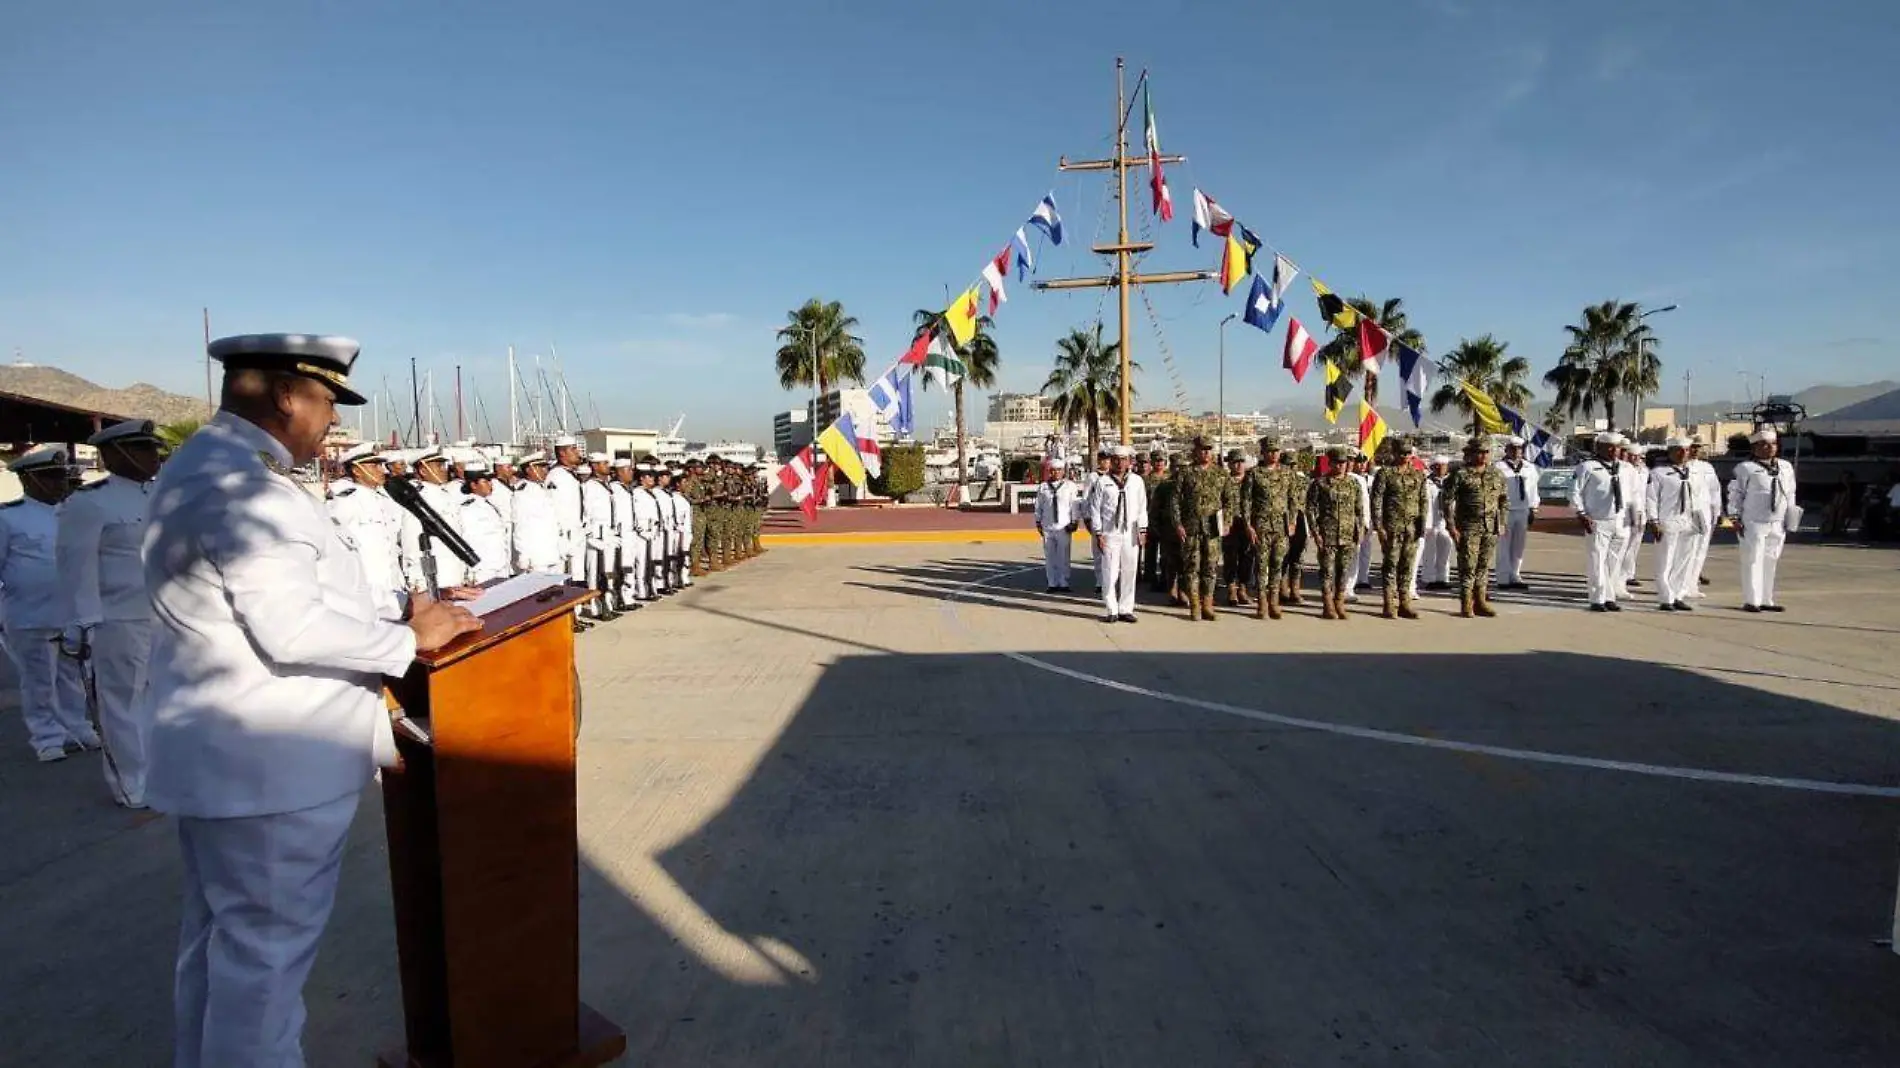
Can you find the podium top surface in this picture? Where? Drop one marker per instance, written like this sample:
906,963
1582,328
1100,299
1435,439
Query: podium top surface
504,623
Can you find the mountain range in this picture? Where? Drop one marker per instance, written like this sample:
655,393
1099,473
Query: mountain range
137,401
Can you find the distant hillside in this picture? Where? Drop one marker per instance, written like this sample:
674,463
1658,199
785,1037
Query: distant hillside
138,401
1818,400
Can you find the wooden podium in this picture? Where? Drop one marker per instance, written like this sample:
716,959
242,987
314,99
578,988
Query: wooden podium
482,850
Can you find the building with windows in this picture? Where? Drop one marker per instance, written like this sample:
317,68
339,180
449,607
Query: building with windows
791,431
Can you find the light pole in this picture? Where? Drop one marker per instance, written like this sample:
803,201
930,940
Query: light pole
1642,343
1220,435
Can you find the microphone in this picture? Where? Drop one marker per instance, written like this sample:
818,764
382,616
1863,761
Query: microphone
403,492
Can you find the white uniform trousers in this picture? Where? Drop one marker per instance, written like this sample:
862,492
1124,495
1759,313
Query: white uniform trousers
594,573
1511,541
1362,565
52,690
1434,556
1676,561
258,891
121,649
1700,547
1761,554
1121,559
662,575
1057,545
1605,562
1631,546
1411,580
635,559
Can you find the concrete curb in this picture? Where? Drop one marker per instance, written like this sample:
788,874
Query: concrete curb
909,537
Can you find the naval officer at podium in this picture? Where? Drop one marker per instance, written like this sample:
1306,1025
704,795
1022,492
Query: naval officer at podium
265,694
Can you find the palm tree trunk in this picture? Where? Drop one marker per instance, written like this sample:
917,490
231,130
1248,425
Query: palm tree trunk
963,468
1095,437
1609,410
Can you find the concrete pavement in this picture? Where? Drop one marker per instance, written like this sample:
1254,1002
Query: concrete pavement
894,805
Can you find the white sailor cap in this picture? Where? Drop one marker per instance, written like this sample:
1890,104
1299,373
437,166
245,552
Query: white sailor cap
1056,463
363,454
1610,437
1440,458
646,467
130,432
1124,452
567,441
40,459
621,463
1514,441
536,457
1766,433
598,458
507,459
326,358
1678,442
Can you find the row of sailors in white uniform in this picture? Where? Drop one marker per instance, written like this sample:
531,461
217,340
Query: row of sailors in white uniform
1681,502
72,590
1113,508
612,523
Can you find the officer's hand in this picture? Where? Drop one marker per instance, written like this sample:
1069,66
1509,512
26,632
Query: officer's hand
437,623
1589,525
1181,533
1253,536
1453,531
1101,544
462,593
1533,518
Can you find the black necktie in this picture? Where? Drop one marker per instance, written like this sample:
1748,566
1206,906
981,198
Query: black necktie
1517,484
1682,491
1773,467
1616,485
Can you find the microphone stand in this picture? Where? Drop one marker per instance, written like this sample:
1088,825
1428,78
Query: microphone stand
427,546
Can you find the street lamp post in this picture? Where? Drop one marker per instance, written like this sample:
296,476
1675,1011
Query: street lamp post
1220,434
1642,344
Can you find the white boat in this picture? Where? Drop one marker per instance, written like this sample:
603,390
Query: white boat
739,452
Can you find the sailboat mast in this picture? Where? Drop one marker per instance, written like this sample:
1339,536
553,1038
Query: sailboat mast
415,396
459,435
514,432
1121,253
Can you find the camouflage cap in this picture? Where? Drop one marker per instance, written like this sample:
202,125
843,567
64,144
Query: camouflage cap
1235,456
1269,444
1200,443
1336,452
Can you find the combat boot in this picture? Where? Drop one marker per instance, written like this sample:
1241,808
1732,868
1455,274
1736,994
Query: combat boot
1293,593
1271,602
1464,603
1481,603
1193,598
1241,596
1405,607
699,566
1389,612
1326,610
1207,609
1234,596
1339,605
1260,605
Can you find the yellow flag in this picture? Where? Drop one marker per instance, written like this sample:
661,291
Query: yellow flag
960,317
842,453
1338,388
1371,428
1234,263
1335,310
1484,408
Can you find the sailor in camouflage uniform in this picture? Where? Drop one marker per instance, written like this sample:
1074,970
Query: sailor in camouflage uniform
1167,572
1475,500
1157,462
1335,519
1205,500
1271,499
1292,579
1398,516
1236,548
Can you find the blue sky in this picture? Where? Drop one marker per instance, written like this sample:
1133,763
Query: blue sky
648,187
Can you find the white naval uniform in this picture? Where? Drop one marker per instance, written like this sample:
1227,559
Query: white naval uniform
1090,484
1362,563
504,497
485,529
267,723
1118,513
101,527
372,525
663,545
1596,491
539,547
1636,499
1761,495
567,517
1709,495
683,525
622,498
1058,506
52,688
1435,548
449,569
1675,505
646,544
597,521
1520,495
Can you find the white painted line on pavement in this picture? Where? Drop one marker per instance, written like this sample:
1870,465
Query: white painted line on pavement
1661,771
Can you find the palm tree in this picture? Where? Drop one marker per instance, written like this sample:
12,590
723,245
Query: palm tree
980,357
1086,382
1481,362
818,349
172,435
1611,353
1342,351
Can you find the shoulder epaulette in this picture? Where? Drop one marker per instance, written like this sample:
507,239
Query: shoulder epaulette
90,486
14,503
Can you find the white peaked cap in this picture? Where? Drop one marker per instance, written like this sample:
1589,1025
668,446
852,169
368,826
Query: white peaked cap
1766,433
567,441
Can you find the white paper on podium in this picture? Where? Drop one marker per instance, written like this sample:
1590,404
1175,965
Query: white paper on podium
509,591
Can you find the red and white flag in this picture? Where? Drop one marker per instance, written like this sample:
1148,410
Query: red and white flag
1300,348
872,455
993,273
801,483
1372,342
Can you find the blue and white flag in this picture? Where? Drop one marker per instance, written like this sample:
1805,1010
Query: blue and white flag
891,396
1025,260
1047,220
1536,438
1415,373
1263,308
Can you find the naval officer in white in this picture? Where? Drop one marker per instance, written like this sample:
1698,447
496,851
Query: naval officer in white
101,527
267,718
